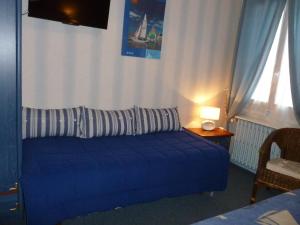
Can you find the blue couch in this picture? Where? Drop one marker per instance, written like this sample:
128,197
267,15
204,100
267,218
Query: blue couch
64,177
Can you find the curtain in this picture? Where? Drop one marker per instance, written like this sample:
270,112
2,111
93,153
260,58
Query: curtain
294,54
258,25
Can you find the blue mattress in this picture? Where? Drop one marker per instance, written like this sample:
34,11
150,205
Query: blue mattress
64,177
283,209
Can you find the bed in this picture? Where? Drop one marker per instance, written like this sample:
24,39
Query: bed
283,209
64,177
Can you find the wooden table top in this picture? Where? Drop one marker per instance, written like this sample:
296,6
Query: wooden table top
217,132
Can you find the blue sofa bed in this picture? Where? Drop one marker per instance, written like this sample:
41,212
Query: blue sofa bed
64,177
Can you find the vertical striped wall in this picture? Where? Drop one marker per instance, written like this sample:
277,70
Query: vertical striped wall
66,66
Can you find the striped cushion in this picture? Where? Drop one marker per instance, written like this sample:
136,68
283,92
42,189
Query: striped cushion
156,120
98,123
50,122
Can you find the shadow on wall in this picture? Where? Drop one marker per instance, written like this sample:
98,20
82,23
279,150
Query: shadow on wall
191,108
65,66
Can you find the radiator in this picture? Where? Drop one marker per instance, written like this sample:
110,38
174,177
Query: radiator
245,144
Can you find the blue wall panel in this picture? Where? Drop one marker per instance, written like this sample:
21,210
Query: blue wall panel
9,92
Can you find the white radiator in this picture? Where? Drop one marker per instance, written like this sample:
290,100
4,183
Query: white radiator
245,144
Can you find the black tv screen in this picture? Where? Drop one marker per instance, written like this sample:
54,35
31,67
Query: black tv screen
92,13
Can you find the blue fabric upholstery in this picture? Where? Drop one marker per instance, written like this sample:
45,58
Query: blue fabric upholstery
262,212
64,177
156,120
96,122
50,122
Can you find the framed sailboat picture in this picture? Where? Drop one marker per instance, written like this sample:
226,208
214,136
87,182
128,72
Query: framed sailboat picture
143,28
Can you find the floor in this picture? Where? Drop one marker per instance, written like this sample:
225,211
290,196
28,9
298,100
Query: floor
181,210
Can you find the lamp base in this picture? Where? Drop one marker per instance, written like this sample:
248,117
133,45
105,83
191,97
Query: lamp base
208,125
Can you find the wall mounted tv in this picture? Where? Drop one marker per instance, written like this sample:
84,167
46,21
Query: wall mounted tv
91,13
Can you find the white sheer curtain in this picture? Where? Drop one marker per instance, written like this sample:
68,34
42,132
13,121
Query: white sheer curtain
271,103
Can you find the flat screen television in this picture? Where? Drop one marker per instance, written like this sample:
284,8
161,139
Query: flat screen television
91,13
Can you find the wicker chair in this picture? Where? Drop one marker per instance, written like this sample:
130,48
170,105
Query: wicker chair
288,140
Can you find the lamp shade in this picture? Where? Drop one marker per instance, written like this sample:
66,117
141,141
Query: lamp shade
210,113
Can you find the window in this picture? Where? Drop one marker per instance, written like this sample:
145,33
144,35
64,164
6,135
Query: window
274,84
271,102
283,92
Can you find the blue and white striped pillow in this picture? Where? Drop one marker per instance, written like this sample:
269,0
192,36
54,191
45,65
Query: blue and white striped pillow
156,120
50,122
96,122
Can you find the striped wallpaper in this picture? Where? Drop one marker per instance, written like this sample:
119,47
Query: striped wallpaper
67,66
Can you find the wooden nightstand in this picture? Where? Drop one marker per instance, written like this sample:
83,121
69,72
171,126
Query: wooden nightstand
218,135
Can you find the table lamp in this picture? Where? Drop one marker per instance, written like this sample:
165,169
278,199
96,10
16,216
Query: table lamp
209,114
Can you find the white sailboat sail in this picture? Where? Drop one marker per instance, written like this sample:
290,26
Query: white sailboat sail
138,31
141,32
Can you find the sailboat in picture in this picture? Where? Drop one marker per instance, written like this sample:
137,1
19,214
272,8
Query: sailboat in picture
140,34
143,28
